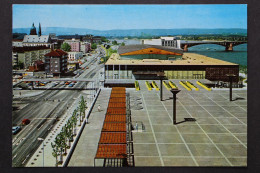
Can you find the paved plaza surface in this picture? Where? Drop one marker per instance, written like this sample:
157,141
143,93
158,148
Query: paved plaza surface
86,148
218,137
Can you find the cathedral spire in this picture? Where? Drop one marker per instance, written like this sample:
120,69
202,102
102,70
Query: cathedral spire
33,30
40,30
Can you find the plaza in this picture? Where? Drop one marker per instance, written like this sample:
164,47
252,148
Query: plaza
218,137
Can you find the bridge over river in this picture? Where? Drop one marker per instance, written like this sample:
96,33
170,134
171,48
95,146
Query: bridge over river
227,44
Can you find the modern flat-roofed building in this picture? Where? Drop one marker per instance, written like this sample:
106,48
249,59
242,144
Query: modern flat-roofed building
74,44
74,56
28,55
56,62
180,66
163,41
85,47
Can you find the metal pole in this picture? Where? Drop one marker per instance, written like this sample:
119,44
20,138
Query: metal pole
174,108
161,88
43,153
230,88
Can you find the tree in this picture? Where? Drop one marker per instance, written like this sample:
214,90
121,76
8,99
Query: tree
66,47
123,44
103,39
94,46
114,42
55,150
20,65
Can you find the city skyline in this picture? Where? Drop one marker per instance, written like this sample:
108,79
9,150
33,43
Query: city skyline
105,17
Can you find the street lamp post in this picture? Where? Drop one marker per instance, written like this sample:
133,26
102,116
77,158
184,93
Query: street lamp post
230,76
41,139
161,76
174,92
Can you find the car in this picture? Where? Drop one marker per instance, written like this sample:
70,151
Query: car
41,84
71,85
62,83
15,129
67,83
26,121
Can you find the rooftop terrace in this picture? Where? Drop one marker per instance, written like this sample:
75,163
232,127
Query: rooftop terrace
187,59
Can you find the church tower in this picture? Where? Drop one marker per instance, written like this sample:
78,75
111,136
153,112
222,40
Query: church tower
40,30
33,30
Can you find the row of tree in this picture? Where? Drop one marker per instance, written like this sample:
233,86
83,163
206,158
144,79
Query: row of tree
63,140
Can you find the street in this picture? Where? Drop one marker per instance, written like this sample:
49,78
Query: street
44,110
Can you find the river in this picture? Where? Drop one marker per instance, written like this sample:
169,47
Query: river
238,55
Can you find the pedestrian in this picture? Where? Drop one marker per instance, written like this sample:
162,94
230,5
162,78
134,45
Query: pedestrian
99,108
136,126
20,93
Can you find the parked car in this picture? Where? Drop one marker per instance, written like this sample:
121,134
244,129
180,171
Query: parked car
26,121
16,129
71,85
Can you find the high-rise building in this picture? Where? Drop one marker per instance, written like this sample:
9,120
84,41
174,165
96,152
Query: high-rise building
56,62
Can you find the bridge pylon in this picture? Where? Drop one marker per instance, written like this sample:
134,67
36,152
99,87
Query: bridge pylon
229,47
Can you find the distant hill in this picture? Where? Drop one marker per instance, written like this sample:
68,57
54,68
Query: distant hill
134,32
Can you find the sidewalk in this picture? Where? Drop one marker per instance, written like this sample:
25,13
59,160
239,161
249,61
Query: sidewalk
25,93
49,161
85,150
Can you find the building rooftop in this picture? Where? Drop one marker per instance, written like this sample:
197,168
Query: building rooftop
56,53
36,39
28,48
137,47
187,59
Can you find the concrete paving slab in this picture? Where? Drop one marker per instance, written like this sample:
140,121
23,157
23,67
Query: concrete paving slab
188,128
204,150
214,129
146,137
164,128
223,138
195,138
233,150
178,161
173,150
206,120
171,137
147,161
230,120
242,137
145,150
238,161
236,128
207,161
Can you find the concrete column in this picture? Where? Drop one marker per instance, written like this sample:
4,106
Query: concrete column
229,47
113,71
185,49
119,71
126,71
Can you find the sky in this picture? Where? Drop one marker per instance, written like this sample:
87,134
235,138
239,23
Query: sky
107,17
